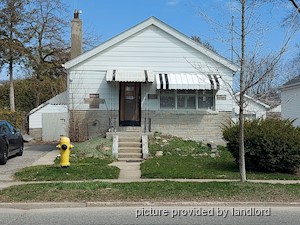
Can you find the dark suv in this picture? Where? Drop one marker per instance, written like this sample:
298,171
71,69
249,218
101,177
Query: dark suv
11,141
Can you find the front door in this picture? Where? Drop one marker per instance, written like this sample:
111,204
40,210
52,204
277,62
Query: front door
130,104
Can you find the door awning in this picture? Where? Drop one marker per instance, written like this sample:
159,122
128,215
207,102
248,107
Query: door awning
129,76
187,81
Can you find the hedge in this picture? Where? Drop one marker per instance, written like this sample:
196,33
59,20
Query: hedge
271,145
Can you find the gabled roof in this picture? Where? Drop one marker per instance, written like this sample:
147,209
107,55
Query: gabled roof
293,82
254,100
60,99
161,25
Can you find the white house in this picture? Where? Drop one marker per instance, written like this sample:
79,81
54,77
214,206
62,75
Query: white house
253,109
290,100
151,77
49,120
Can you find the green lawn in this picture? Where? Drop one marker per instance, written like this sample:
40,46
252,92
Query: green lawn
82,169
152,192
89,161
181,159
192,160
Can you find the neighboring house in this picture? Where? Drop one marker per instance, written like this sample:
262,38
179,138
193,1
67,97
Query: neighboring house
49,120
274,112
154,78
290,100
253,109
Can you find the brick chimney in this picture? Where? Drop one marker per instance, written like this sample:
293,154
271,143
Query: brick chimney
76,35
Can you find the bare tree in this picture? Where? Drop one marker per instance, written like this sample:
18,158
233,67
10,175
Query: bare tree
253,71
12,38
295,5
48,47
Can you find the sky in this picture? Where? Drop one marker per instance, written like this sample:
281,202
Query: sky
211,20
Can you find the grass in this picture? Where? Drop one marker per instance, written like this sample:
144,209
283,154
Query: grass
97,147
191,160
181,159
81,169
89,160
152,191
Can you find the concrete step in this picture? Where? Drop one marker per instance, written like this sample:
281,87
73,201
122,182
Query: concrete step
129,134
130,129
130,159
130,150
130,139
129,155
130,144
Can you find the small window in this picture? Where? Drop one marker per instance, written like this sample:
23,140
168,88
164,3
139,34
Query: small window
221,97
167,99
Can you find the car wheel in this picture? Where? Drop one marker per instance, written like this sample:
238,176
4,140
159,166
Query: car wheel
20,153
3,157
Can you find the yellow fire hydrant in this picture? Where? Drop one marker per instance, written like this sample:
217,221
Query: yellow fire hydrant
65,148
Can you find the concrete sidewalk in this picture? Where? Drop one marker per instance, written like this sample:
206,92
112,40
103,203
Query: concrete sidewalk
128,170
47,159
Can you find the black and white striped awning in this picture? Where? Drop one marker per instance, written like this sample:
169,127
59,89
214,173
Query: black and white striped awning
187,81
129,76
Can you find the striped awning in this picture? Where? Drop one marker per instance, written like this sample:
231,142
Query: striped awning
187,81
129,76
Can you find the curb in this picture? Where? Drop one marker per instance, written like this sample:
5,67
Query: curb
46,205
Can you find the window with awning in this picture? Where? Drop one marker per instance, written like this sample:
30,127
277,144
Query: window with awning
129,76
186,81
187,99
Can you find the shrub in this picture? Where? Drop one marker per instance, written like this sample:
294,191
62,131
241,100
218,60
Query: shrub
18,119
271,145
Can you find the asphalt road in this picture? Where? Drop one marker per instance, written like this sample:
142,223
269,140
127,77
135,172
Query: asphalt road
206,215
32,152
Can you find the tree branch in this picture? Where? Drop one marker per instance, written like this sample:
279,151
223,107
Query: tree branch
295,5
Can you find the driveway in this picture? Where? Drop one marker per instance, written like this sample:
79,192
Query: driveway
32,153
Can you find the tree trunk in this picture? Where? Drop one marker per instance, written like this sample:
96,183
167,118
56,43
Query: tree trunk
242,165
11,78
11,88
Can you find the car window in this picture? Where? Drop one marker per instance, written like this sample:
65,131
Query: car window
11,128
4,129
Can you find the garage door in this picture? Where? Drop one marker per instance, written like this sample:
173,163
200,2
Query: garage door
54,126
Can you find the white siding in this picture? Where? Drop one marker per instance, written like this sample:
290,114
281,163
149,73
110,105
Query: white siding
83,83
151,49
251,108
290,104
35,119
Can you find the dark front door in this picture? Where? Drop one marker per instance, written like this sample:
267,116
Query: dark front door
130,104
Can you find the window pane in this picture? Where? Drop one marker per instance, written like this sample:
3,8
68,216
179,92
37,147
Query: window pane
191,102
180,101
190,92
205,102
167,99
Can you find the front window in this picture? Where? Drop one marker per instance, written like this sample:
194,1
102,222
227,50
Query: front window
187,99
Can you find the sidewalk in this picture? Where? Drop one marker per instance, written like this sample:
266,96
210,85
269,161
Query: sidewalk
130,172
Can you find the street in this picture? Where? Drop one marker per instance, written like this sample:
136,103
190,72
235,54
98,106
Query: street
32,152
152,215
